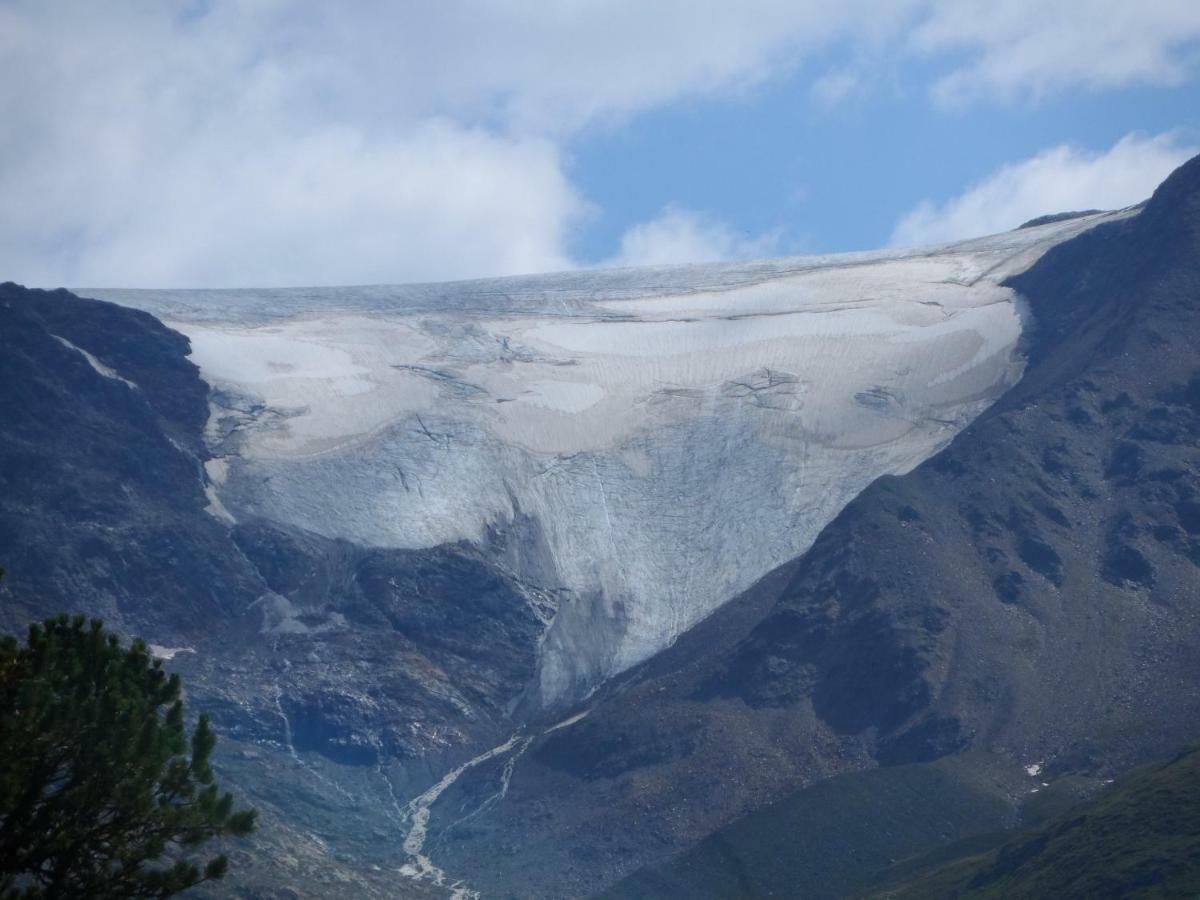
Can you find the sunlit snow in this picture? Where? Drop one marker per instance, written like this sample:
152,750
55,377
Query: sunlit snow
647,441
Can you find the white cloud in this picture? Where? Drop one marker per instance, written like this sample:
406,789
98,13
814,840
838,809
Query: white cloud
558,66
1060,179
1028,49
321,207
144,150
836,86
263,141
684,236
148,142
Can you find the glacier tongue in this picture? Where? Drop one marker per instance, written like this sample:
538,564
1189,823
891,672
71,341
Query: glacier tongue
649,442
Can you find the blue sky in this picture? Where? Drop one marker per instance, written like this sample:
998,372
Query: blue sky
291,142
839,178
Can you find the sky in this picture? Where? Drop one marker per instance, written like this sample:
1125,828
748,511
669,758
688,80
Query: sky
239,143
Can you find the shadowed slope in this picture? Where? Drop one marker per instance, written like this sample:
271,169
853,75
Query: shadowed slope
1029,591
1139,840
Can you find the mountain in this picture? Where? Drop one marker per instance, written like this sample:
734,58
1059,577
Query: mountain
1029,592
546,583
105,510
840,837
640,444
1137,838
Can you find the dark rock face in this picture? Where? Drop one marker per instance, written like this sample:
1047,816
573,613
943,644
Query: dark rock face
1056,217
101,483
1031,591
390,662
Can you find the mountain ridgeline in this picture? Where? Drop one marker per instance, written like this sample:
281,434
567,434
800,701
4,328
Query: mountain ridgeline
920,703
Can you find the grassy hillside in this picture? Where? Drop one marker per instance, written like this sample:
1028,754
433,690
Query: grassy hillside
1140,839
936,830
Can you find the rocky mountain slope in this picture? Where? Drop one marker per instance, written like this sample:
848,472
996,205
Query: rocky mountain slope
311,654
389,540
1139,839
857,836
1030,592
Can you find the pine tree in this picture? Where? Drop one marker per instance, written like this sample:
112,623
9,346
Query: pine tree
101,792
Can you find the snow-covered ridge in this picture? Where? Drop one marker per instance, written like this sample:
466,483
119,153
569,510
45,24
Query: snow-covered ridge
653,440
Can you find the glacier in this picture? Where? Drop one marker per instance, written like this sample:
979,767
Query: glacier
641,444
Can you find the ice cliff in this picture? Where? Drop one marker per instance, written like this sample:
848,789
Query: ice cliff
644,443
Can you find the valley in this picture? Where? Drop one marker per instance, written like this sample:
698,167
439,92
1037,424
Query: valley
641,582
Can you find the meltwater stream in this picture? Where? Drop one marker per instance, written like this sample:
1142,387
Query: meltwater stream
420,867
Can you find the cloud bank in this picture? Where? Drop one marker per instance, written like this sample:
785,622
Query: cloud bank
1026,49
244,142
1060,179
